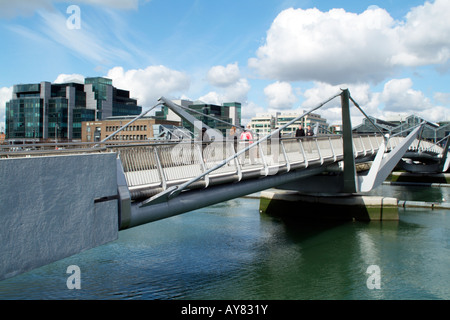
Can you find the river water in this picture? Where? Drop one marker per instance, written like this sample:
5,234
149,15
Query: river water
230,251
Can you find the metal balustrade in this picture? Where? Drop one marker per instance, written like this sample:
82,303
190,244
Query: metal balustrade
160,166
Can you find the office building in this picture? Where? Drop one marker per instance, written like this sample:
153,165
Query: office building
140,130
264,123
54,112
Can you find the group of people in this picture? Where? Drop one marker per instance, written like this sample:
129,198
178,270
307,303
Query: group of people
247,135
246,138
300,132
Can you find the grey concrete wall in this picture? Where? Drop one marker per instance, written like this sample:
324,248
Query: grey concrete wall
48,208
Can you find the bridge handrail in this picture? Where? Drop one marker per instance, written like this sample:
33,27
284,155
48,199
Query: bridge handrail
292,153
179,188
253,145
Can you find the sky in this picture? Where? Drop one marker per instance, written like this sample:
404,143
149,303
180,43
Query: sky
269,55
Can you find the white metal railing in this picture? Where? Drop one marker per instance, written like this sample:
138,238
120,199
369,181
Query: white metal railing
161,165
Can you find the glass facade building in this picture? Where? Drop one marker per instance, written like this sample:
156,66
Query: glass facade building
24,118
47,111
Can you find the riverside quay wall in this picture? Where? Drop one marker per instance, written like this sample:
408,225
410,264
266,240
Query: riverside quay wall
54,207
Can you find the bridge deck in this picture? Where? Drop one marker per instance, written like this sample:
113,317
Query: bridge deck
150,169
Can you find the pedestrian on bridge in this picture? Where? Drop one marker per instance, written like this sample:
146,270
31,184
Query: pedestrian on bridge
308,143
247,140
300,132
233,137
205,141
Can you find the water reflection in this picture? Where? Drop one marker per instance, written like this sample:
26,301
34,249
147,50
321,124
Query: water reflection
231,251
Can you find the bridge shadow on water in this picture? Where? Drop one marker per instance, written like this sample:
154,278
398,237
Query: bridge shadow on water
298,230
300,227
304,219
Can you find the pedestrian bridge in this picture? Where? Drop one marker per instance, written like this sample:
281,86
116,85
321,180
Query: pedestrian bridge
165,178
86,193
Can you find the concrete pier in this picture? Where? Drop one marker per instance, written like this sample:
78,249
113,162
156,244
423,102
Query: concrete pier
406,177
351,207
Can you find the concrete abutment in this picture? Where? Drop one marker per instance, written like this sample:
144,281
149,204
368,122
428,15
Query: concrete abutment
321,207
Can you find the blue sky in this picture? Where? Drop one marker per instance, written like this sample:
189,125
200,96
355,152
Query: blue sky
393,56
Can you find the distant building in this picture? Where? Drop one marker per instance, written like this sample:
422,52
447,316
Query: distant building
140,130
432,131
264,123
336,129
48,111
228,114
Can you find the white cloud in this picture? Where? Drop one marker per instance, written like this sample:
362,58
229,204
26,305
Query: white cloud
149,84
320,92
280,95
28,7
424,36
117,4
65,78
435,114
221,76
22,7
334,47
398,96
212,97
397,100
339,46
5,96
237,92
442,97
249,110
232,87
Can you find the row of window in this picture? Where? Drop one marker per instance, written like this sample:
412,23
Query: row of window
129,128
126,137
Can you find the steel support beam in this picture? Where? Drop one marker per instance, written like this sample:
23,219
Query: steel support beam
385,163
196,199
350,180
185,115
